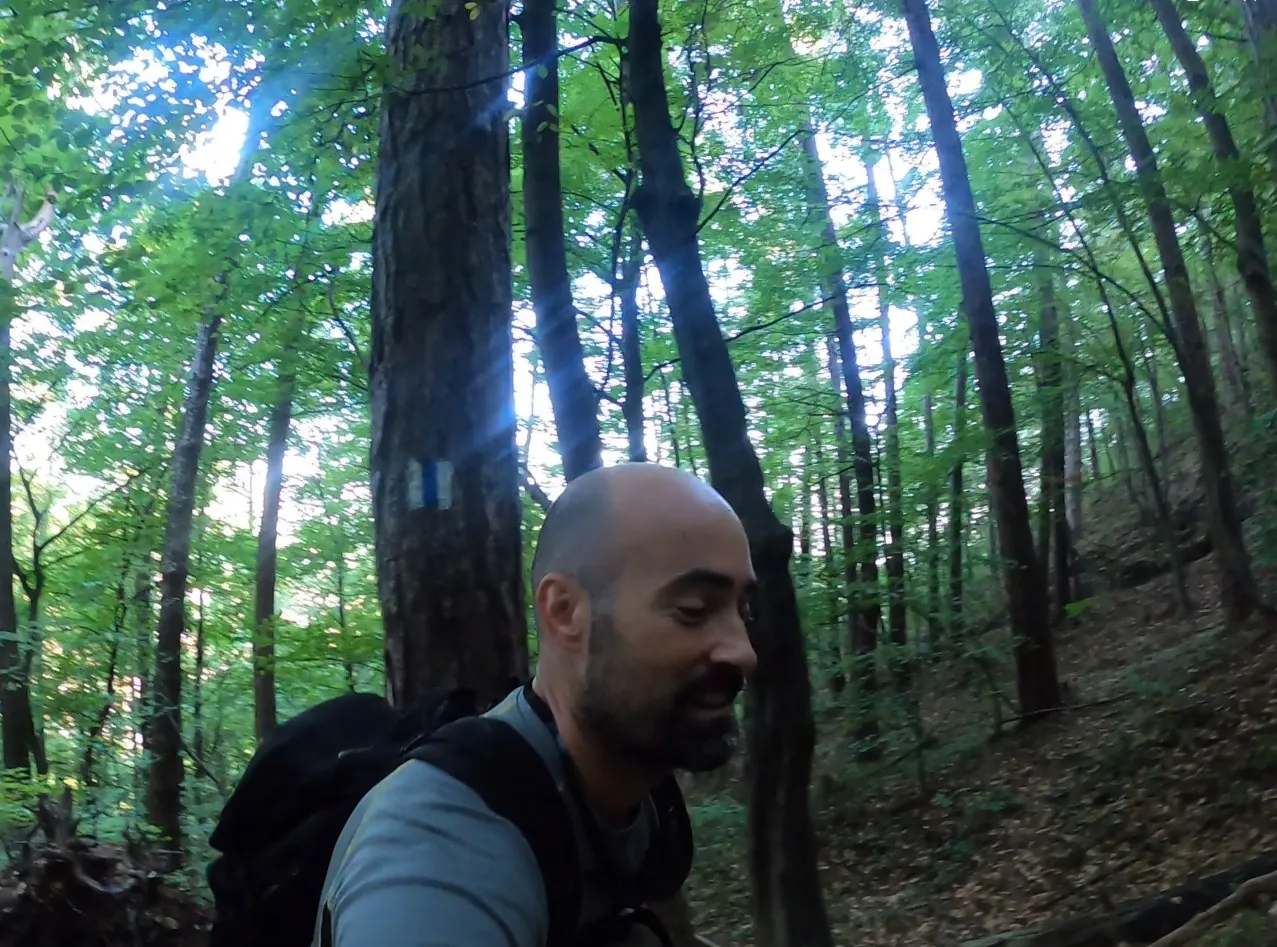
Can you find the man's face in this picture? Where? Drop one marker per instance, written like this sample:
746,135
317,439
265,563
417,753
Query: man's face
668,647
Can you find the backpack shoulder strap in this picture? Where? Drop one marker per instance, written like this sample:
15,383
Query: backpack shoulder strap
669,858
494,760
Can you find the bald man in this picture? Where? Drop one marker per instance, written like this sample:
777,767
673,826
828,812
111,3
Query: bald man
641,582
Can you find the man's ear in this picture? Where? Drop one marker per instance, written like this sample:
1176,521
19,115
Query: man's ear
560,604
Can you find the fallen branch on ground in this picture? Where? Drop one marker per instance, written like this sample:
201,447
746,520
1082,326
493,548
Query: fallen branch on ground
1239,899
1145,921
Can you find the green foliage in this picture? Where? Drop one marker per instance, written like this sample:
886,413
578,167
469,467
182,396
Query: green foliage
129,114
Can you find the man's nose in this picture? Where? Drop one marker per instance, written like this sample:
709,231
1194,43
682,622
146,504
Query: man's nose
734,648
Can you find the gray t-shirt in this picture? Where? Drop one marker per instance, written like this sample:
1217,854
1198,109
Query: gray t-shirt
423,862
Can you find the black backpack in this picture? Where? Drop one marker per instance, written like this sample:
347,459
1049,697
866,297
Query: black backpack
277,831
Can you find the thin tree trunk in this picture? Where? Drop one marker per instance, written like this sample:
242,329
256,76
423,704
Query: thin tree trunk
571,393
866,609
1148,355
1230,369
144,659
265,716
1260,19
17,722
1090,439
1055,525
1039,687
685,422
863,662
835,676
197,679
789,907
933,532
671,420
1073,479
444,458
1252,258
1237,586
957,515
897,616
632,348
164,783
94,735
1161,507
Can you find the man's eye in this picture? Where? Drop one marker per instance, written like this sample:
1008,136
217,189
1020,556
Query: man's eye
692,613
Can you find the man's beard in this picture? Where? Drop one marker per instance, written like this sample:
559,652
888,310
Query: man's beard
665,732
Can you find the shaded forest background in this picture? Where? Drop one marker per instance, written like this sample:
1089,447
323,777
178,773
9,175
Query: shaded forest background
309,309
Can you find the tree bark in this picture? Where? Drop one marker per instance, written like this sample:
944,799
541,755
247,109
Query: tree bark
1053,468
164,778
671,420
444,459
1039,688
957,515
632,349
1230,368
1252,258
17,722
265,717
143,644
865,608
572,395
1260,19
780,730
1073,479
835,676
1237,586
897,616
1090,439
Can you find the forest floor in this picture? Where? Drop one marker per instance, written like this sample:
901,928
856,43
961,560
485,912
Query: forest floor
1164,770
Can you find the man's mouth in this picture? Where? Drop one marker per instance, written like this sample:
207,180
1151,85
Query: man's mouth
716,701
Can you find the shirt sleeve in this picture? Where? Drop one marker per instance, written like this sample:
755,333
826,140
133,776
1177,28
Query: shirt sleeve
430,865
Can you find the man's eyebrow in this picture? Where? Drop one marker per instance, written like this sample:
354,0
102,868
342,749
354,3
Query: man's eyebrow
702,578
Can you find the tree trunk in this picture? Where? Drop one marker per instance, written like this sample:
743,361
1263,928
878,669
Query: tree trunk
571,393
864,667
1039,687
1148,354
1129,466
632,349
1230,369
1237,586
164,783
835,676
897,617
957,515
197,678
1260,18
1090,439
444,459
780,730
1055,522
1252,258
865,607
685,422
264,707
16,722
1073,479
933,532
143,658
671,420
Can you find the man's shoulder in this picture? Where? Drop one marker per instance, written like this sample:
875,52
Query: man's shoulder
418,788
423,842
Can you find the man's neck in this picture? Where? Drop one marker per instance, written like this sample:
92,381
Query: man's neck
613,788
